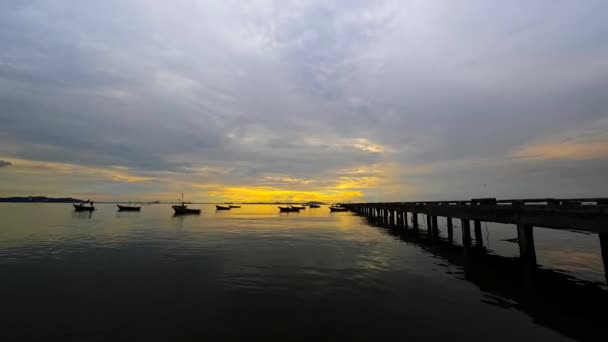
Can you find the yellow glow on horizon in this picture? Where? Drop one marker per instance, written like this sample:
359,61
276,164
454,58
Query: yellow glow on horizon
273,194
57,179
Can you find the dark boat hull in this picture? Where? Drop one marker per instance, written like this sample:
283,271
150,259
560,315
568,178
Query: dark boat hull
288,210
127,208
78,207
314,206
182,210
334,209
235,206
219,207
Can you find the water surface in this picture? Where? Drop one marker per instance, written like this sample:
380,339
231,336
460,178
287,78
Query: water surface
252,272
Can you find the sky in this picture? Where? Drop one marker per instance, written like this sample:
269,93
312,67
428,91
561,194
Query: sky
304,100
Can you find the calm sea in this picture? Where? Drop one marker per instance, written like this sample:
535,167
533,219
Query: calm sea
254,273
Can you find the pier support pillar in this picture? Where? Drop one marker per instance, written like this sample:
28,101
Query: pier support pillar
478,236
604,248
434,225
429,223
415,221
450,229
405,223
466,233
525,238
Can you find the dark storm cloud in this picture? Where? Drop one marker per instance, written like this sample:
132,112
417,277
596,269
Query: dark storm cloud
306,89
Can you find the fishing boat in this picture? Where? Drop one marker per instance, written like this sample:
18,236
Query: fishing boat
314,206
82,207
220,207
235,206
181,209
337,208
288,210
127,208
297,207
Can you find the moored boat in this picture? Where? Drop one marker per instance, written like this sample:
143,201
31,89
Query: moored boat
314,206
297,207
335,208
289,210
127,208
181,209
235,206
82,207
220,207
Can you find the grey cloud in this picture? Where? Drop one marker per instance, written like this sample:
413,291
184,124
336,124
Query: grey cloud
277,87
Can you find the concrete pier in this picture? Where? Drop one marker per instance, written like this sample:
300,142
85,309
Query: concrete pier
466,233
450,229
604,248
584,214
478,236
525,239
434,225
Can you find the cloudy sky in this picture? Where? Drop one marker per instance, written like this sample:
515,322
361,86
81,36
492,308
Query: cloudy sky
303,100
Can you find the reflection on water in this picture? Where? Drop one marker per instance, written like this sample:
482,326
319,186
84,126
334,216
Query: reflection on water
572,306
252,272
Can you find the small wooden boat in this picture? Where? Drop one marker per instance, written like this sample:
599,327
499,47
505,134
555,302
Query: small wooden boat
314,206
82,207
288,210
127,208
220,207
297,207
235,206
182,209
335,208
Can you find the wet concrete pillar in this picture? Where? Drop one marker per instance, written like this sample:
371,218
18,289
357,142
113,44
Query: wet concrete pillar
450,229
604,248
478,236
415,221
434,225
405,223
525,238
429,223
466,233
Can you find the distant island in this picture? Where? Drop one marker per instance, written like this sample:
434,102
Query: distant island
40,199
